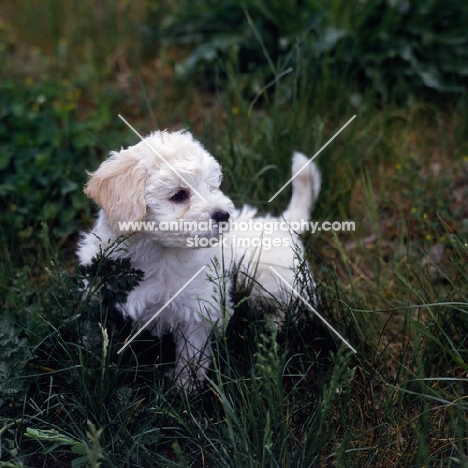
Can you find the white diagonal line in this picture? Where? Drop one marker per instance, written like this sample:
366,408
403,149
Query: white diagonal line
314,311
160,156
161,309
312,158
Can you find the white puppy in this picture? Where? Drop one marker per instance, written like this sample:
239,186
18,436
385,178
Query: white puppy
171,183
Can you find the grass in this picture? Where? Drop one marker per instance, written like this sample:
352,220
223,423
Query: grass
395,288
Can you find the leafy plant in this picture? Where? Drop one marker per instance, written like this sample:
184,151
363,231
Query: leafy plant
113,278
250,38
397,48
400,47
46,148
43,142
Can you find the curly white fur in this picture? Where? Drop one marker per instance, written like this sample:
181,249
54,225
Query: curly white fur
170,177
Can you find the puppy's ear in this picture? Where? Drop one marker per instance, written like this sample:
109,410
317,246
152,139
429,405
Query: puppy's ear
118,187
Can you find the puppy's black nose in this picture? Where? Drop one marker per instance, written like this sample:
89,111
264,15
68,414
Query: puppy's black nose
220,216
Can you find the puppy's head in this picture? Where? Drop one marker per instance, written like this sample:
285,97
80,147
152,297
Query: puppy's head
167,186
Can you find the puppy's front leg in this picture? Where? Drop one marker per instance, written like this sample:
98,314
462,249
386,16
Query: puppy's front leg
193,355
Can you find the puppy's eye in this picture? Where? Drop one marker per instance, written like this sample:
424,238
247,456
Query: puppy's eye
180,196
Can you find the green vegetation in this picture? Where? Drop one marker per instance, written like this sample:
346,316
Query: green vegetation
253,83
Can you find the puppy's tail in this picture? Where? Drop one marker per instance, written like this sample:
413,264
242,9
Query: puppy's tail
305,189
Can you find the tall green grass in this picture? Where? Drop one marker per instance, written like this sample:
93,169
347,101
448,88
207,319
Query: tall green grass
295,397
